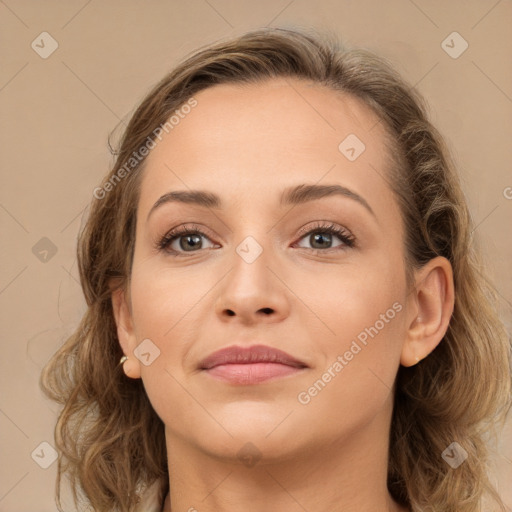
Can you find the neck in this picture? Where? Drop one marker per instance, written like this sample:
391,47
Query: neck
348,476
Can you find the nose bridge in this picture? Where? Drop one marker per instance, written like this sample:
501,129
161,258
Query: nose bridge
250,261
252,236
251,288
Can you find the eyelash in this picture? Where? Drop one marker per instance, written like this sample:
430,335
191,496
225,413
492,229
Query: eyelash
343,234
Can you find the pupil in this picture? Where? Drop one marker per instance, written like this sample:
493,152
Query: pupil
188,238
320,236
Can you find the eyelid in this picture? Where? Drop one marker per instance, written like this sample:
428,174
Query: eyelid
323,224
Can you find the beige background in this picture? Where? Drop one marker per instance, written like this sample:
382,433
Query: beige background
57,112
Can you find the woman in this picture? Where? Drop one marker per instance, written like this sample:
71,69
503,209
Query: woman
228,360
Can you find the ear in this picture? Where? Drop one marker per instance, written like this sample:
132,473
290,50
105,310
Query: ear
432,302
125,331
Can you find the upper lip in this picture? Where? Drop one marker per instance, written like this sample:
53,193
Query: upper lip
248,355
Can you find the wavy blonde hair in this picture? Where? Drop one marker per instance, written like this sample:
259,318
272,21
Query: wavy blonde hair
111,441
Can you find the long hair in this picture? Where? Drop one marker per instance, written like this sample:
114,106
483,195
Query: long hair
111,441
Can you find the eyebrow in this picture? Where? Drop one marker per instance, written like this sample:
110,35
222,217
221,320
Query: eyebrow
295,195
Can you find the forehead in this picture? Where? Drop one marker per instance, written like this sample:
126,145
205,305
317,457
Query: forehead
243,140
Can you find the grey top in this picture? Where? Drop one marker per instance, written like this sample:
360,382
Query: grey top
152,500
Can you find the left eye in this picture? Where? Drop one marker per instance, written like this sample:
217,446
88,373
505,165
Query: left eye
322,235
322,239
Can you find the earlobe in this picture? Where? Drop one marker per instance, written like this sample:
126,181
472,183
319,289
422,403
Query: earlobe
125,332
434,300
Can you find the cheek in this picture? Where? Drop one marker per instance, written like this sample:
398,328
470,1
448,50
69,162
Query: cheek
354,298
164,302
354,385
164,299
364,311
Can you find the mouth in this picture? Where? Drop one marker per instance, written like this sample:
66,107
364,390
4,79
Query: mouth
251,365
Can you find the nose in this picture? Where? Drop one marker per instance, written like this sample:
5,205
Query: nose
254,290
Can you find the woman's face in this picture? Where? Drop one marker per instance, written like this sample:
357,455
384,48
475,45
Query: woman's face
266,270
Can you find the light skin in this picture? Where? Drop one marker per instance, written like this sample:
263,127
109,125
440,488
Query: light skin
246,145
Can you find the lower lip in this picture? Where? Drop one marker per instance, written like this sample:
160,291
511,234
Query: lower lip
251,373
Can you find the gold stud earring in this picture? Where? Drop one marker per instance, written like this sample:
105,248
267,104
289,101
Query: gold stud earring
129,369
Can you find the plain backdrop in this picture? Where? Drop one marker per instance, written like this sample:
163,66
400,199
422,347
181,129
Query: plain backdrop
71,71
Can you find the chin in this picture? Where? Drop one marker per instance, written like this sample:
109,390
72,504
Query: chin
269,439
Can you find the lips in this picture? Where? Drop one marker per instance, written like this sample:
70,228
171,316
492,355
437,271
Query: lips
250,355
240,366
